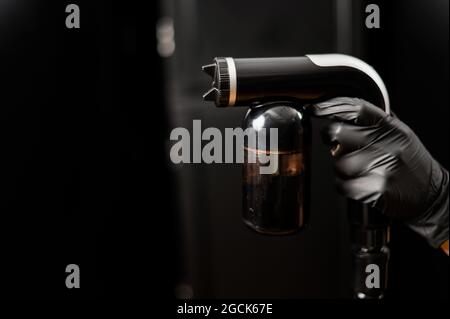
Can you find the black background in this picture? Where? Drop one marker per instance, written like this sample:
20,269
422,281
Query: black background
74,136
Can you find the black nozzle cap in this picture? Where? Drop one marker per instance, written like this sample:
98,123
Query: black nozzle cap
219,92
211,95
209,69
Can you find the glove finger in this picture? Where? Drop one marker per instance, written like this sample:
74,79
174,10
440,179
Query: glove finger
366,189
351,110
350,137
365,161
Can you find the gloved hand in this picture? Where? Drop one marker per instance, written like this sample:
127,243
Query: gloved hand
381,162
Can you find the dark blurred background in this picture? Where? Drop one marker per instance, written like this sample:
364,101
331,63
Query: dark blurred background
85,123
71,143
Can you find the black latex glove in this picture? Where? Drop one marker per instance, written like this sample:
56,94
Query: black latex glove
381,162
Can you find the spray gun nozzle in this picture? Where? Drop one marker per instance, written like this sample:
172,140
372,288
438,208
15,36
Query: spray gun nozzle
211,95
209,69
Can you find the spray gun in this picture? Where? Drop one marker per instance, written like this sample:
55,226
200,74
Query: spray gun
276,90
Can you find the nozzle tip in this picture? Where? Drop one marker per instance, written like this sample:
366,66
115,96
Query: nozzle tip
210,95
209,69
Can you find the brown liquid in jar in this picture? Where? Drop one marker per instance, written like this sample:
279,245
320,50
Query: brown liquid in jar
276,203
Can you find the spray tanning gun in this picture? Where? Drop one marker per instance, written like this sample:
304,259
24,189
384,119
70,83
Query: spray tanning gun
276,90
